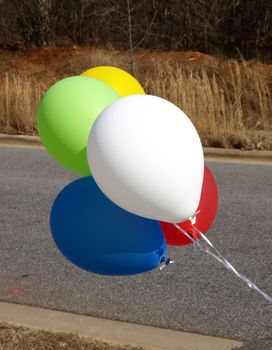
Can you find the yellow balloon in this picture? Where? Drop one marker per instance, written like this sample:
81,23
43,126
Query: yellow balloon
121,81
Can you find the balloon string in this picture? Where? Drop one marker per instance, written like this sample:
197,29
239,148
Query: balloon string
208,248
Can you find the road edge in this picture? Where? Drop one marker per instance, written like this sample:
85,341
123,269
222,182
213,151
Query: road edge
209,152
113,332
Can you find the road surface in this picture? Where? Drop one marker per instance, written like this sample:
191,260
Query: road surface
195,294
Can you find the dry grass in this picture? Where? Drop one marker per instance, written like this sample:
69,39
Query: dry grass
19,99
20,338
229,102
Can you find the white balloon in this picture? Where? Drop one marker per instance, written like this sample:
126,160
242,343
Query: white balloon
146,156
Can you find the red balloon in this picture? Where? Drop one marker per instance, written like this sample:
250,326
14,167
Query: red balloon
205,214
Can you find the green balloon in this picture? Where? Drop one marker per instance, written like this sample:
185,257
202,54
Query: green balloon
65,117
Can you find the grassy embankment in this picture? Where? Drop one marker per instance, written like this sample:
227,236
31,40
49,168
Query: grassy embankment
229,102
19,338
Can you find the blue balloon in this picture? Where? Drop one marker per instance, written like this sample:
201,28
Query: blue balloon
98,236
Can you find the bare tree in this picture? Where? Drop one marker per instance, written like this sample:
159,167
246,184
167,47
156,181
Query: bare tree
227,26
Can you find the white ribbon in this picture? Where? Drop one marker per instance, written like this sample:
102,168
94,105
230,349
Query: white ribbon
208,248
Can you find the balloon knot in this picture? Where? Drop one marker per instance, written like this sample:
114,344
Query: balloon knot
165,262
193,218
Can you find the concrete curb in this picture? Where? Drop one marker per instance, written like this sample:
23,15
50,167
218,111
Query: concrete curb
114,332
209,152
265,156
33,140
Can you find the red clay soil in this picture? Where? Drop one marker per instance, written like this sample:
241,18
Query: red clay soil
50,58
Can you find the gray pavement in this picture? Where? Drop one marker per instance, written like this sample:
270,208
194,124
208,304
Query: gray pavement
195,294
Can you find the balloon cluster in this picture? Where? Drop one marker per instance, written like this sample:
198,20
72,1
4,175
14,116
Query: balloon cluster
143,170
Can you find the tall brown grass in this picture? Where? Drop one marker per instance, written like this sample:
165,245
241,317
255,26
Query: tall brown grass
230,105
229,102
20,95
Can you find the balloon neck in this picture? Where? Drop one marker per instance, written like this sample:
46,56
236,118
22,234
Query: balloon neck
165,262
193,218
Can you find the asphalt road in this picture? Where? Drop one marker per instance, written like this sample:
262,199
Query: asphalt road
195,294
